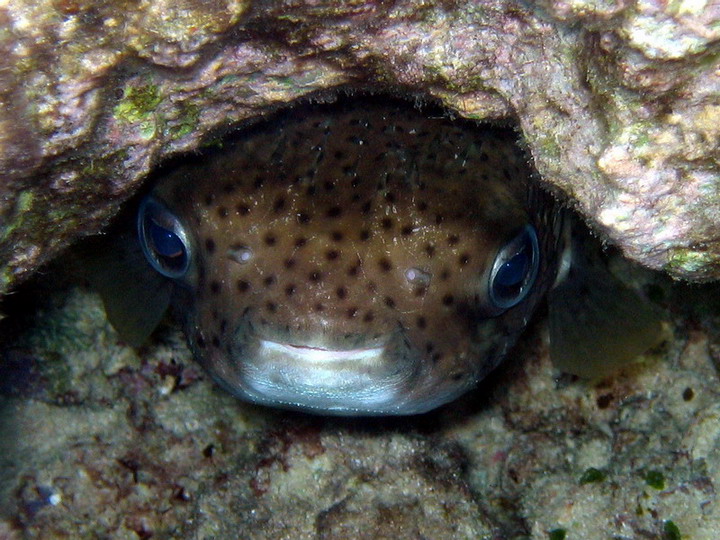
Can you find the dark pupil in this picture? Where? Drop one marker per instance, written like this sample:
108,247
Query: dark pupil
513,272
166,243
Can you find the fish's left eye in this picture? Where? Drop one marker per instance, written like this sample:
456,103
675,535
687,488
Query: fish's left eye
163,239
515,269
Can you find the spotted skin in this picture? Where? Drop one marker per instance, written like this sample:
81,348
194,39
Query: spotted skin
340,258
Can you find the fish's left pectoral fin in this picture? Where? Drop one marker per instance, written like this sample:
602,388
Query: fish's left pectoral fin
598,325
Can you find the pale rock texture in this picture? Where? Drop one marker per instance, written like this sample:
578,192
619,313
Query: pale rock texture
617,100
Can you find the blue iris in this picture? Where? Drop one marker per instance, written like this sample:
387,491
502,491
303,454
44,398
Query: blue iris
165,242
515,269
513,272
163,239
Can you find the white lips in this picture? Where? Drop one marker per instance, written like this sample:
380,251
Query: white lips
319,355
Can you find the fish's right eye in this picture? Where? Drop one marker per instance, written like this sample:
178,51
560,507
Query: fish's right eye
163,239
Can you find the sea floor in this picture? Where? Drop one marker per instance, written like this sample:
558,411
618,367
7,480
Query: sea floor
100,440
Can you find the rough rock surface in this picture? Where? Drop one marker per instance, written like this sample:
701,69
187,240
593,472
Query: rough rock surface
98,440
618,101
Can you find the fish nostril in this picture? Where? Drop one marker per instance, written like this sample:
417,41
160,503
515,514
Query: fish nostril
240,254
418,276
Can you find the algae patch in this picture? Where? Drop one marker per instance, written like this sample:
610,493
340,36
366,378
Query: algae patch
138,106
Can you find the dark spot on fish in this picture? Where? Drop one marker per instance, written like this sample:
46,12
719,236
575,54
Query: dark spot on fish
366,207
385,264
303,218
464,259
390,197
339,154
422,206
329,185
300,242
421,322
337,236
243,285
289,263
318,306
258,183
334,212
341,293
332,255
386,223
455,376
270,239
222,212
290,289
210,245
315,276
448,300
200,340
242,209
269,281
368,317
688,394
279,204
364,235
420,291
389,302
453,239
430,250
355,183
484,157
216,342
407,230
439,218
214,287
223,326
353,270
209,198
444,274
429,347
351,312
271,307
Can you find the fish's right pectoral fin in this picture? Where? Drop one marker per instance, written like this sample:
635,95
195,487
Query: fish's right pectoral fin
135,297
598,325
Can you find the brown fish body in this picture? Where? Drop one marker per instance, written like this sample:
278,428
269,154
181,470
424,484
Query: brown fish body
343,262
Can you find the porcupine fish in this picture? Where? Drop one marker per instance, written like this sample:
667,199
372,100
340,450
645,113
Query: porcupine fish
355,260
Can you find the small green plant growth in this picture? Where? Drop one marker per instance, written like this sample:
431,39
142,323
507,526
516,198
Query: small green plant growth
592,476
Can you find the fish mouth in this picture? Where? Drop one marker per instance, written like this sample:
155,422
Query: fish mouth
309,377
368,378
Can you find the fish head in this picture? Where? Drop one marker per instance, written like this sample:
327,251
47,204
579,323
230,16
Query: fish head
345,268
